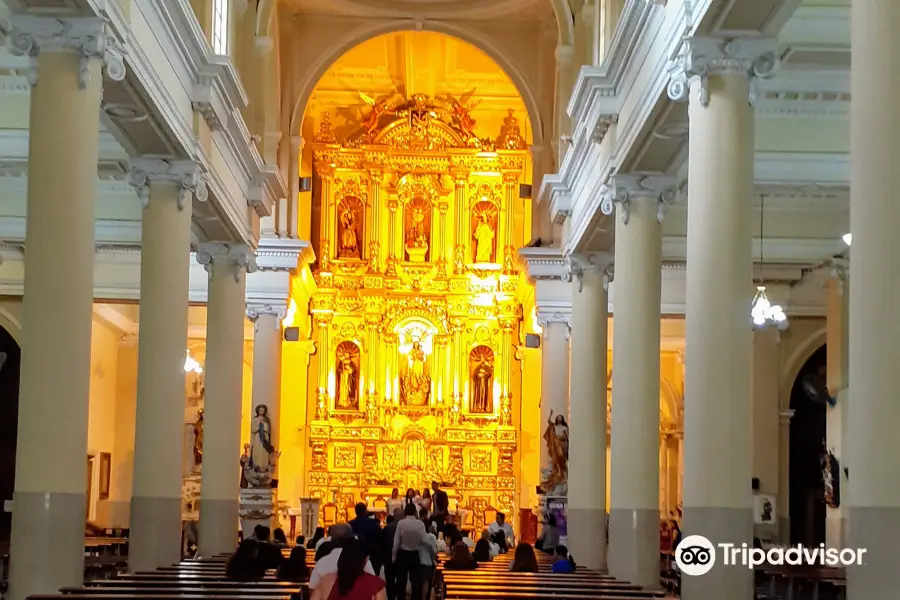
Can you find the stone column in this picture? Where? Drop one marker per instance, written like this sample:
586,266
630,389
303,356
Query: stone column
837,383
267,344
765,405
634,459
554,372
288,211
167,190
49,499
873,410
717,76
586,510
784,476
227,266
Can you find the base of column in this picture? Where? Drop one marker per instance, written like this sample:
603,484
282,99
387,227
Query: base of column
874,529
218,531
634,546
586,537
155,539
47,545
720,526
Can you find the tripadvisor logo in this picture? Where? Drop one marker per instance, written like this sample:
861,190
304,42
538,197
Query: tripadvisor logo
696,556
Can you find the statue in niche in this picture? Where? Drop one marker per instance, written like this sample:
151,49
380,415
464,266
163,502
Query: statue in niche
347,396
417,230
416,384
259,463
484,227
481,361
198,441
556,436
349,220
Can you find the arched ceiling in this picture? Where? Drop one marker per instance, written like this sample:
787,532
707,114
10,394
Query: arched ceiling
430,9
415,62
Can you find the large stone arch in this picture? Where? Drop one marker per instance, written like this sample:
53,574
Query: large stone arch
11,325
565,22
365,31
792,365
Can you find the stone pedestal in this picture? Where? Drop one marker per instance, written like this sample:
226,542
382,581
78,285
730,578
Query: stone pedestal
257,507
309,516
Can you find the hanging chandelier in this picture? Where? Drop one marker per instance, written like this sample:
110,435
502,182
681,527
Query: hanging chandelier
191,365
763,313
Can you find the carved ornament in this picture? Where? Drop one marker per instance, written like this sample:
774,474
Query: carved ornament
623,189
238,256
187,174
576,266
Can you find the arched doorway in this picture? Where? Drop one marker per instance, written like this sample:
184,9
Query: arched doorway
10,359
807,509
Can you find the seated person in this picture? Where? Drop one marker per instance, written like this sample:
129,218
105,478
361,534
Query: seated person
294,568
352,578
499,538
323,550
460,559
318,535
500,524
549,539
300,541
341,535
279,538
482,551
244,564
486,535
524,560
564,563
269,554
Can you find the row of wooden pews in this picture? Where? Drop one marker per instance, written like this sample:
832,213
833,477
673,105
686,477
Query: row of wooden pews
194,579
493,581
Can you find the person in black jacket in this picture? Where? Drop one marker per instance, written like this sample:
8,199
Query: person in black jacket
244,564
368,530
269,554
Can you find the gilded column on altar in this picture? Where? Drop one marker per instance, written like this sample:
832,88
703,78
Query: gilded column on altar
375,179
462,220
68,58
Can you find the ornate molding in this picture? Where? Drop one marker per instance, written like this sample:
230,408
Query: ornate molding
547,316
89,37
601,127
542,263
189,175
701,57
238,256
576,266
623,189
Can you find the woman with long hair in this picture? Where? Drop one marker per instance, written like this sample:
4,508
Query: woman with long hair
482,551
425,501
460,559
351,582
244,564
294,568
410,498
524,560
318,535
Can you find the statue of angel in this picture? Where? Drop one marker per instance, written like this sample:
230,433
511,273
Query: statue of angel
386,106
460,112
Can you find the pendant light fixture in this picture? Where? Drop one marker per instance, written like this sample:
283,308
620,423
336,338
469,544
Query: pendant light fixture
762,312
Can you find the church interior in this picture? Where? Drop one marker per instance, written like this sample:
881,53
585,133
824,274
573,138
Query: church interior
584,264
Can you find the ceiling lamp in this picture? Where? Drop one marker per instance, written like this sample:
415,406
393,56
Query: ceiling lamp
191,365
762,311
847,237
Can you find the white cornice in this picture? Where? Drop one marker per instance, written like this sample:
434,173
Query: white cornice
785,250
802,168
106,230
14,146
283,254
543,263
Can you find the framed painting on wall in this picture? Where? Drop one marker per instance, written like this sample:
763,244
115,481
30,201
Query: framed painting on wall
105,470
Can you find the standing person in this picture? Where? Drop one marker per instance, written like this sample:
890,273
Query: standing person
440,503
394,502
368,530
425,502
341,536
409,498
351,580
408,538
428,552
386,549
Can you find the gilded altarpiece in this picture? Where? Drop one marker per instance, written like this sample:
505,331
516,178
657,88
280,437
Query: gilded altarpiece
415,314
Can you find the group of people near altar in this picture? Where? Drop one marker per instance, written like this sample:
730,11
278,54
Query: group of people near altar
438,503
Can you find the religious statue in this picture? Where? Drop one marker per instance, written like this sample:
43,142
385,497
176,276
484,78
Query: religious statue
556,437
484,240
482,376
416,384
347,377
198,440
370,123
261,447
349,247
245,460
416,238
461,113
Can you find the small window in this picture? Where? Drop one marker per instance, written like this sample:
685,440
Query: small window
220,27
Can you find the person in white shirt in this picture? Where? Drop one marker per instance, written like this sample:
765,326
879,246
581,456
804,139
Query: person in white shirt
408,539
340,533
427,562
501,525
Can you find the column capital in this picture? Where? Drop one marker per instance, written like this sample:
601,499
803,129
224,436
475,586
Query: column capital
546,317
578,265
89,37
624,188
256,310
701,57
188,174
238,256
